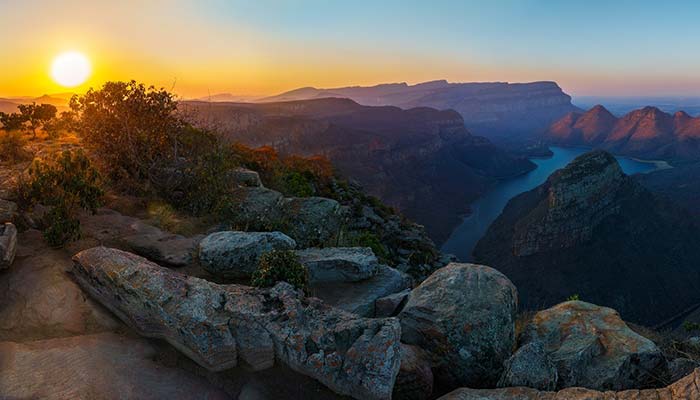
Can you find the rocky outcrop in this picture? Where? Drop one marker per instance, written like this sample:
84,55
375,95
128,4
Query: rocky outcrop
591,347
218,325
392,304
647,132
463,317
360,297
339,264
164,248
593,231
684,389
530,366
8,245
245,177
233,254
415,379
102,366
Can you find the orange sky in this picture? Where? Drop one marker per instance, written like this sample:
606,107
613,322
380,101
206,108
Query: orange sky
269,46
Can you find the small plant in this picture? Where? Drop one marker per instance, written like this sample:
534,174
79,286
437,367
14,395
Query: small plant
691,326
281,265
66,183
573,297
163,216
371,240
12,147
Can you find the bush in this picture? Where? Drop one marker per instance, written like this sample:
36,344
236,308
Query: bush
281,265
371,240
12,147
66,183
573,297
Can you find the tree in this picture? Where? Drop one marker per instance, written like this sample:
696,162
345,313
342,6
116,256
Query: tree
131,128
37,115
13,121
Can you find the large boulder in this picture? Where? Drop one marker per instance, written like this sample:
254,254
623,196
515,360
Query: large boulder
360,297
8,244
415,379
339,264
233,254
102,366
592,347
218,325
8,211
164,248
312,221
463,316
530,366
684,389
244,177
255,208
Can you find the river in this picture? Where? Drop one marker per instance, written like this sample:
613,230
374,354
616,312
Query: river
485,209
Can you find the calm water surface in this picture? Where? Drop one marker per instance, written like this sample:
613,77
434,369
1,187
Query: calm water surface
487,208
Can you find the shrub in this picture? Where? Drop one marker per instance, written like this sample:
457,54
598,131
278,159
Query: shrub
573,297
281,265
295,184
66,183
371,240
691,326
12,147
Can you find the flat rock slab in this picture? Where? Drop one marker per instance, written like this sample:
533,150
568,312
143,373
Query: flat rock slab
685,389
8,244
235,254
39,300
216,325
339,264
163,248
101,366
360,297
592,347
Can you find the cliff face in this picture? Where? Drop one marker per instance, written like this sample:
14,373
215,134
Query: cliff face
647,132
593,231
489,108
422,161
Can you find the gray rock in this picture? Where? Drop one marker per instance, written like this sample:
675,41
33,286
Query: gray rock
339,264
593,348
360,297
216,325
164,248
256,208
463,316
684,389
415,379
8,245
391,305
233,254
530,366
680,367
312,221
8,211
245,177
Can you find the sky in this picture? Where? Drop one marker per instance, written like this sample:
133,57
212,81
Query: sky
262,47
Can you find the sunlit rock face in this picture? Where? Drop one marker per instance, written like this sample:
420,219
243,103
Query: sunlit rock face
593,231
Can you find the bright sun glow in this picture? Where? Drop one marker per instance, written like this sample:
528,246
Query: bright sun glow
70,69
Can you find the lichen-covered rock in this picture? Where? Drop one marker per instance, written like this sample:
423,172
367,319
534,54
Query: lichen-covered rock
530,366
312,221
233,254
360,297
8,244
245,177
415,379
256,208
216,325
463,316
389,306
339,264
8,211
592,347
684,389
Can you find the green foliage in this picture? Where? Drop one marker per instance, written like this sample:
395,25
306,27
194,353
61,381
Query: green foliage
281,265
66,183
691,326
12,147
294,183
371,240
573,297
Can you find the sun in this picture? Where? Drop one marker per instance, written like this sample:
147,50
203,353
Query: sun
70,69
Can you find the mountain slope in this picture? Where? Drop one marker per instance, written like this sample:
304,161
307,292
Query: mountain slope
593,231
422,161
647,132
492,109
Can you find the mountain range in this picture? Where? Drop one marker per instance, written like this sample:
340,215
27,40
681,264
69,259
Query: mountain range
494,109
421,160
590,231
647,132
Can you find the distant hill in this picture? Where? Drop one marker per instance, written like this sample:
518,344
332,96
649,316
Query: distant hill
647,132
8,106
421,160
228,97
493,109
590,230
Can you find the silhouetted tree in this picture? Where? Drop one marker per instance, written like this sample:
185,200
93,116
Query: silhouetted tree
37,115
12,121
